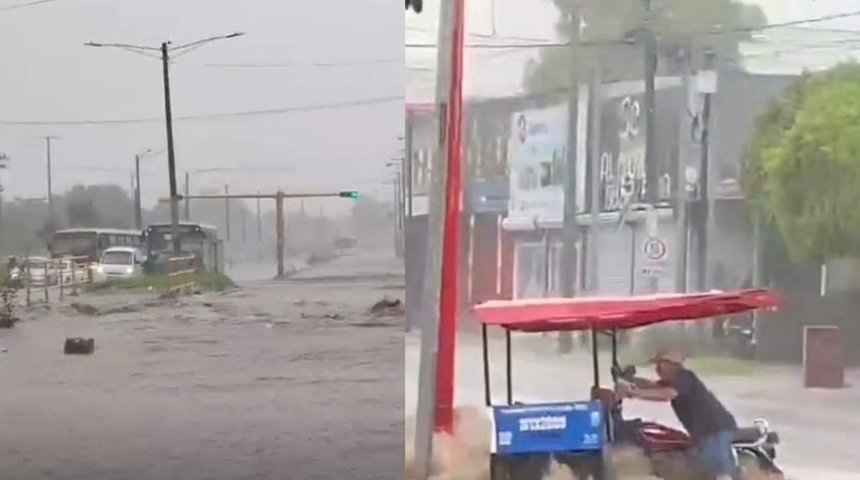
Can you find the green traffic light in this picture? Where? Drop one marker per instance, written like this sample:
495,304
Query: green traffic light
349,194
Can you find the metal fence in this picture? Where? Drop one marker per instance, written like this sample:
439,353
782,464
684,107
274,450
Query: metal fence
41,278
180,275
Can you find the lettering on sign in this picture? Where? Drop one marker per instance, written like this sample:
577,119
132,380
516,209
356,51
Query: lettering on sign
543,424
622,177
505,438
622,174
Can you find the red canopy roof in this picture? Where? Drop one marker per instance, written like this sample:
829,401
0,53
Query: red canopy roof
607,313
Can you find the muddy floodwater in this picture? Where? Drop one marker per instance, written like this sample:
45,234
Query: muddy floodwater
282,379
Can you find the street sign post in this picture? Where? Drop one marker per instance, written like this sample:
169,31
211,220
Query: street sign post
655,252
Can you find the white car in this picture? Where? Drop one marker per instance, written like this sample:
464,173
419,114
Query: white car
72,272
119,263
41,271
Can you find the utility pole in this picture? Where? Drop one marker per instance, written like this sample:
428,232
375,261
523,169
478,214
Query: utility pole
426,419
50,176
227,210
171,152
3,165
259,220
652,183
594,127
138,214
686,188
165,50
702,219
395,210
187,213
407,163
402,211
244,225
570,228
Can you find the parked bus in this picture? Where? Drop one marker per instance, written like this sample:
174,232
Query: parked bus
200,240
88,244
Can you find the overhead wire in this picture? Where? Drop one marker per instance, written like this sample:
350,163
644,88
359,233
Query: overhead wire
211,116
343,64
621,41
32,3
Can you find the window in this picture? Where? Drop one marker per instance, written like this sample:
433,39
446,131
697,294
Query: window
118,258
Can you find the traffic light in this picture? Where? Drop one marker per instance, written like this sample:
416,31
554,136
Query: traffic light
348,194
417,5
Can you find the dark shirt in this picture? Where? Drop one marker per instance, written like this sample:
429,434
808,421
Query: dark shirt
697,407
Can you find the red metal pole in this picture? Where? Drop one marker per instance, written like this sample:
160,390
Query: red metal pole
448,303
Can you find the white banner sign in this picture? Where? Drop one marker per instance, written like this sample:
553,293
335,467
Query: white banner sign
537,153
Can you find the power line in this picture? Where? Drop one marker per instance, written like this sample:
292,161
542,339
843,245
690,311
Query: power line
25,4
608,42
486,35
349,63
211,116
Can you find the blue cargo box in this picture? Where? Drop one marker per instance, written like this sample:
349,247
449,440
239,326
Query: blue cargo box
548,427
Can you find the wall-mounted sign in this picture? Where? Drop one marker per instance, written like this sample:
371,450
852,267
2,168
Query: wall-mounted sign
622,173
537,156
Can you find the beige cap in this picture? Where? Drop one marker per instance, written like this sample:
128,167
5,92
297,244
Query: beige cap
670,356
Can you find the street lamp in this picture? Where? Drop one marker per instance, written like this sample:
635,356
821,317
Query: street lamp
165,51
138,208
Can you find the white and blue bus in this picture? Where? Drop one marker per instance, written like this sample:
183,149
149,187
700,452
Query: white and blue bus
194,238
88,244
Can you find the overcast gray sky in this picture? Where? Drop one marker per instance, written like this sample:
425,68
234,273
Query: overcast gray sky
48,75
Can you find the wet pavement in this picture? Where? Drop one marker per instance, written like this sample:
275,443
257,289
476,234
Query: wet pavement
818,428
278,380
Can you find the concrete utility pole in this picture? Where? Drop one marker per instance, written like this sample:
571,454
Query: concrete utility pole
570,231
652,177
685,188
164,51
187,193
3,165
227,210
138,208
702,217
407,163
594,127
50,175
427,373
259,220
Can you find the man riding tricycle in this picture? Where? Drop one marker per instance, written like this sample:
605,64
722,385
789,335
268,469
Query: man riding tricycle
713,447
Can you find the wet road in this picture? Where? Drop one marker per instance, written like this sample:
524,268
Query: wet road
281,380
818,428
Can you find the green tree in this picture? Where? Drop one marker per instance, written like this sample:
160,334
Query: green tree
82,213
612,25
802,165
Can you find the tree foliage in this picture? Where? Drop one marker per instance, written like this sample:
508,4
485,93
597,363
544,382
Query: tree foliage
802,165
613,23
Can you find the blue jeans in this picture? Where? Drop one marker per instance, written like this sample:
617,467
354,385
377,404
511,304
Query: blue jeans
716,455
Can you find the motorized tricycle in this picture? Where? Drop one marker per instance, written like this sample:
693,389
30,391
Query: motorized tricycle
522,449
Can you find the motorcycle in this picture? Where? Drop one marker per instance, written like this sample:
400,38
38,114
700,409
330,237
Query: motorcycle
671,452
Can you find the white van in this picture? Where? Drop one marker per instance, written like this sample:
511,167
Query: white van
120,263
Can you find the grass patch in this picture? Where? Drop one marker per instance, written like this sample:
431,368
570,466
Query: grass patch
205,282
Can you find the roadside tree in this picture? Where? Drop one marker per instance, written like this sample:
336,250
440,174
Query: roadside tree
802,165
611,31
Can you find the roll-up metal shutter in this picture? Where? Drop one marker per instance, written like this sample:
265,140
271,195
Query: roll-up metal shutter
614,259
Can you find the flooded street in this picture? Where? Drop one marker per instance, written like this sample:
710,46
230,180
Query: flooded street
815,426
246,385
